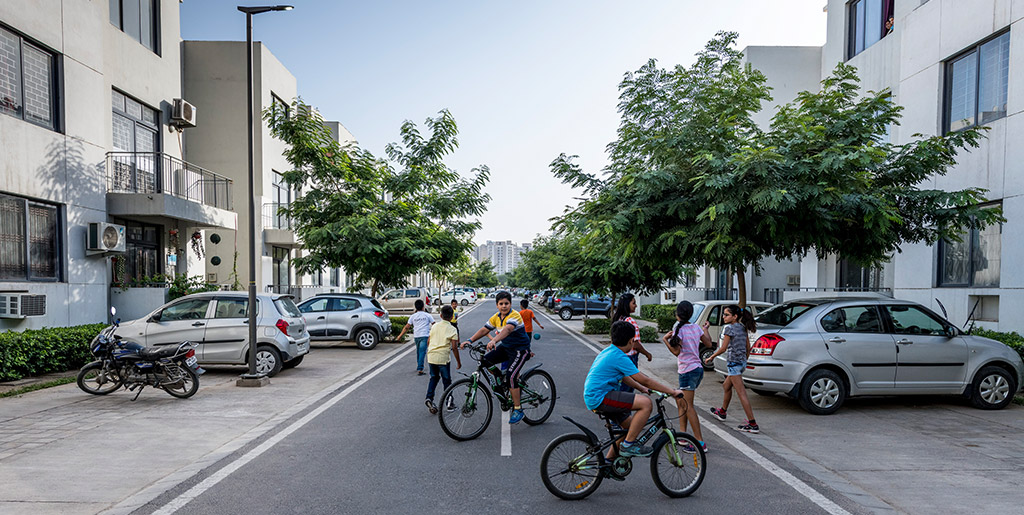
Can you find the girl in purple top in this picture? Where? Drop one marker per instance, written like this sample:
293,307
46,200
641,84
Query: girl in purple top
685,341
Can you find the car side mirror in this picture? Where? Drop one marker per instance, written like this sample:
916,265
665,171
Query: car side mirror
950,331
154,318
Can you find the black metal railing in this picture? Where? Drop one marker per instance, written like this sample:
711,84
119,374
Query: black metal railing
273,218
774,295
154,172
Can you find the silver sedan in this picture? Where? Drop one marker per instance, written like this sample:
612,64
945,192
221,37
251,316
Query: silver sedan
822,351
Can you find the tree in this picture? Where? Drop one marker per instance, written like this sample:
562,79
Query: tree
693,180
359,212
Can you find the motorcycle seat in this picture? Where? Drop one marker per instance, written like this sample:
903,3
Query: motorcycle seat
155,353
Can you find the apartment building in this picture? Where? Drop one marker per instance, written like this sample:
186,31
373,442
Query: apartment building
503,255
87,97
951,65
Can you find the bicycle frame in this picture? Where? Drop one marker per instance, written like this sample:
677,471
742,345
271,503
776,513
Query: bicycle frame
656,424
495,383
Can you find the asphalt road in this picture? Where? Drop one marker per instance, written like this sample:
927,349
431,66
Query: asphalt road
372,447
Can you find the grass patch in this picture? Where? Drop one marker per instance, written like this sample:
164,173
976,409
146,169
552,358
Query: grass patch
40,386
1019,400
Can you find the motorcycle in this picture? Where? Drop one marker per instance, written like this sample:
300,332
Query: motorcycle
173,369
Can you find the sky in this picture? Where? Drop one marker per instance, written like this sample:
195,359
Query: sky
524,80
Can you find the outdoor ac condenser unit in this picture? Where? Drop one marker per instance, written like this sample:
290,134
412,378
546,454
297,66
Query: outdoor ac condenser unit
183,114
792,280
104,237
21,305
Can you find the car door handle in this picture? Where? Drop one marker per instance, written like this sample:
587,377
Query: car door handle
320,318
904,341
355,316
837,340
197,324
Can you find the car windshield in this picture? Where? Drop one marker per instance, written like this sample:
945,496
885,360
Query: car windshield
783,314
287,306
697,310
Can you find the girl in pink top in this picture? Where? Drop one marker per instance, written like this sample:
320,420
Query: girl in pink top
685,341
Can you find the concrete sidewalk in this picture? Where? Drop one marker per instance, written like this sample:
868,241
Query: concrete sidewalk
914,454
64,451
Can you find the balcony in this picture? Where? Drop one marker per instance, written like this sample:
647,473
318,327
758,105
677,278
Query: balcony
156,186
277,227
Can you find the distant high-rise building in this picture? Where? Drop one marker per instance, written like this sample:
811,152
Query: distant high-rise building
503,255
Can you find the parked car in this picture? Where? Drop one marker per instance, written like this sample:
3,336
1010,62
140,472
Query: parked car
823,351
474,295
711,311
346,316
463,297
217,322
572,304
549,301
403,300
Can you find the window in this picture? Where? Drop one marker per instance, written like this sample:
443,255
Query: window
282,197
912,320
783,314
335,277
976,84
29,240
870,21
138,19
972,261
231,308
346,304
279,103
856,319
143,257
854,276
714,316
28,80
316,306
192,309
136,130
281,259
697,309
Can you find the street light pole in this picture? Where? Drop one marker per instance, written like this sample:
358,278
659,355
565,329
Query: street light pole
253,378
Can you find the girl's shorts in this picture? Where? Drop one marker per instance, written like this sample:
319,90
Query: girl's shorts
735,368
691,380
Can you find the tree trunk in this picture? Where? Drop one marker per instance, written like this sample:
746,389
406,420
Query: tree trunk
741,286
586,310
373,291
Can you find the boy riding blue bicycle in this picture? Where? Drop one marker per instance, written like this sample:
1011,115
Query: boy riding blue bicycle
511,345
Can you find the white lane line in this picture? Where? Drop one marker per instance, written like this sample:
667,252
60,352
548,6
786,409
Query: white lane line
183,499
506,434
791,480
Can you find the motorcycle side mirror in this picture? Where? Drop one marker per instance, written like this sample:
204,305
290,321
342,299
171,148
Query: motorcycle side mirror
113,311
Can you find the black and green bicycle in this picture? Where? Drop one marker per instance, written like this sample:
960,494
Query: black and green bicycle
466,406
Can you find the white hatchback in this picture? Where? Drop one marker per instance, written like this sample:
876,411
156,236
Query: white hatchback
461,296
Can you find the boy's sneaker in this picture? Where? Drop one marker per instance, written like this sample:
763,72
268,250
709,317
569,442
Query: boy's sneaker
750,427
431,407
720,413
689,449
449,405
627,451
515,416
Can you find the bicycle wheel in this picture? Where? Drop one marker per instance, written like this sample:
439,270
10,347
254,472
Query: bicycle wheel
678,472
537,396
570,469
97,380
465,410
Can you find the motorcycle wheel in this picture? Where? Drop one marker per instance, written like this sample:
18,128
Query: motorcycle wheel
90,376
187,383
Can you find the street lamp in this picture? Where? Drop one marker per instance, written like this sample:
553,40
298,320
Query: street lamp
252,378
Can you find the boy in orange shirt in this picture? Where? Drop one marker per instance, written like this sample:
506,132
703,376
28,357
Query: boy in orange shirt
528,317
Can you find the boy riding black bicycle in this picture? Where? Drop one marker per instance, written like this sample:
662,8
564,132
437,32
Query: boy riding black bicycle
511,345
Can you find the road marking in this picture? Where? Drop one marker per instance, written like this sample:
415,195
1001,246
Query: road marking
506,435
802,488
189,495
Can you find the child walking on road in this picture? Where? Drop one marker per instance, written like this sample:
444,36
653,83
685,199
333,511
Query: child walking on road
420,322
685,341
444,339
736,342
528,318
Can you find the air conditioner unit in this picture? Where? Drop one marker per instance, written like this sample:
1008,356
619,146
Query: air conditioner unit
21,305
183,114
104,237
792,280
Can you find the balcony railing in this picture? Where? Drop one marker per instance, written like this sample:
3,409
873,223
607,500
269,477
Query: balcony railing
774,295
154,172
273,218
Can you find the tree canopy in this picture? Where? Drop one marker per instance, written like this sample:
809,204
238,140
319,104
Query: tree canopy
692,180
381,220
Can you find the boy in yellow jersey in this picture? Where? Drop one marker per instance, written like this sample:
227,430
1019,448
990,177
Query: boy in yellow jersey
511,345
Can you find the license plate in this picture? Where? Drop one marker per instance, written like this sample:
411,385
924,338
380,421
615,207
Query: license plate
191,361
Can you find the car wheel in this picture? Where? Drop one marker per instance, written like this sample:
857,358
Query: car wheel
268,361
993,388
705,353
437,301
366,339
565,313
765,393
293,363
465,302
822,392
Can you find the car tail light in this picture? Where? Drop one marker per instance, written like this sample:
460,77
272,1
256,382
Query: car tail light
765,345
283,326
428,299
378,314
558,300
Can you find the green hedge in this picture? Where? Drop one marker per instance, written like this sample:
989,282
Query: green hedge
604,326
1012,339
41,351
653,311
648,334
397,323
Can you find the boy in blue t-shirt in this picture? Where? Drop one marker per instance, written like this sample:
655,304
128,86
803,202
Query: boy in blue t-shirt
601,391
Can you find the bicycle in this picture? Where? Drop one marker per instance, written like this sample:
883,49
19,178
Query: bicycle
466,405
573,465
